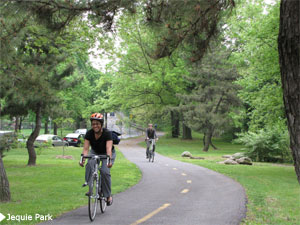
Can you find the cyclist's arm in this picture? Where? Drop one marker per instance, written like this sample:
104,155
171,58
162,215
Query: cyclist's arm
86,147
109,148
109,145
85,151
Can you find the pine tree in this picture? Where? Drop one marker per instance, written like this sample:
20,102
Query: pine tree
205,109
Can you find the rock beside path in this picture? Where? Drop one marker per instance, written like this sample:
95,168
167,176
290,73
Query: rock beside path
189,155
186,154
237,158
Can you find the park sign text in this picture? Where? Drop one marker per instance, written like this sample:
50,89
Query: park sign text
26,217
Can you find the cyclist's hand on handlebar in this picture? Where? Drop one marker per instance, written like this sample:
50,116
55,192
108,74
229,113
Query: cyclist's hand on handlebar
82,163
109,163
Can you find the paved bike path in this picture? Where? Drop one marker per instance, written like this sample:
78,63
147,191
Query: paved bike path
169,193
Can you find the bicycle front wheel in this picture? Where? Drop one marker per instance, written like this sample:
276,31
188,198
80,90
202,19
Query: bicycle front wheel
103,203
153,156
93,200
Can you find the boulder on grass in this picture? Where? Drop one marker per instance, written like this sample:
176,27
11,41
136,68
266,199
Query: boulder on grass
230,162
238,155
244,160
186,154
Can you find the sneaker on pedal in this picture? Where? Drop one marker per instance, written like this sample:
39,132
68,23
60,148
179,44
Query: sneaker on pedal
109,203
85,184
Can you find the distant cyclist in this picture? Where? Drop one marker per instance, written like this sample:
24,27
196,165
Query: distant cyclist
100,140
150,134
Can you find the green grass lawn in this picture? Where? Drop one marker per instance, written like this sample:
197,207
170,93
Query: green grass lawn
54,185
272,189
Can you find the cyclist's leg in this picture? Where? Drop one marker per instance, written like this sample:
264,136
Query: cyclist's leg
89,170
106,177
147,150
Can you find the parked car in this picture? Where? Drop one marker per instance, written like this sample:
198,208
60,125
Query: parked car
74,139
54,139
81,131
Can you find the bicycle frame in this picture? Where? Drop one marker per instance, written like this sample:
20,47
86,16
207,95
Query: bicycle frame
151,147
151,144
94,196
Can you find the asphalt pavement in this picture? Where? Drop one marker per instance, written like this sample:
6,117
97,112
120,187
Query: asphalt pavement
169,193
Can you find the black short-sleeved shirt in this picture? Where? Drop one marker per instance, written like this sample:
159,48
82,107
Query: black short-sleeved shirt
151,133
99,145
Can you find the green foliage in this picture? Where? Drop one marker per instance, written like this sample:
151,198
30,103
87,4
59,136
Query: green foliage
188,24
252,35
140,84
7,141
267,145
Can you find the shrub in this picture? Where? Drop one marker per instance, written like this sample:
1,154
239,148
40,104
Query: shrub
7,140
267,145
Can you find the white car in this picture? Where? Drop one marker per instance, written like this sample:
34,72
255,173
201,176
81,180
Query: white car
81,131
54,139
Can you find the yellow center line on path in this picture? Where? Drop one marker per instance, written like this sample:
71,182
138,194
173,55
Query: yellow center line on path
147,217
174,168
184,191
189,181
183,174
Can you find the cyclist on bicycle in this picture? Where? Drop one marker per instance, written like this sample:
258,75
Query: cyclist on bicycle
150,134
100,140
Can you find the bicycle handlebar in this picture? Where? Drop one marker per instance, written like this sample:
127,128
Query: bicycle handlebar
94,157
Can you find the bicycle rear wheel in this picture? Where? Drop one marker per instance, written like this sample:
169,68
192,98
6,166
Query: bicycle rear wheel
93,200
103,203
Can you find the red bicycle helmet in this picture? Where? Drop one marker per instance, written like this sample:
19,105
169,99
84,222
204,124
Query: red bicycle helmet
97,116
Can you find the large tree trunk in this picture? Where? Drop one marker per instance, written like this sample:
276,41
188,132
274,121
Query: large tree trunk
186,132
175,124
4,184
20,123
33,136
206,142
289,56
17,124
208,139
